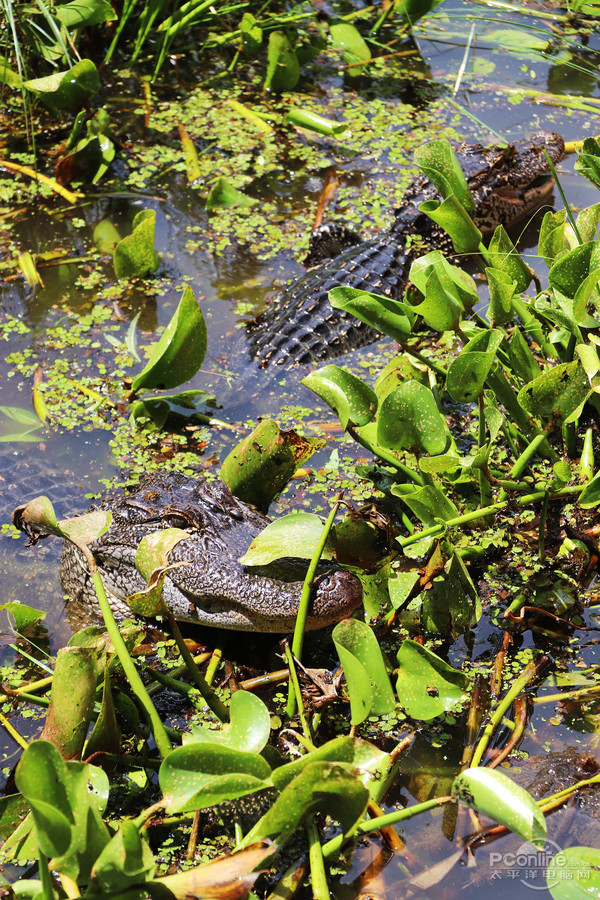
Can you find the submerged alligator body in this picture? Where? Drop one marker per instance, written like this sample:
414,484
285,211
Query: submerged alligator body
210,586
301,326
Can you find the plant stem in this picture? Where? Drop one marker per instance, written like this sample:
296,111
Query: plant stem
208,695
496,716
415,477
131,673
320,889
401,815
451,523
298,640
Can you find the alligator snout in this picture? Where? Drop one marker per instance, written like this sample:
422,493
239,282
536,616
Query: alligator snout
336,595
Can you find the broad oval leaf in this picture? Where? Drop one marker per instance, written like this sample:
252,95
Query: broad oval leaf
455,220
320,785
354,402
384,314
573,268
223,194
248,729
348,39
557,392
135,256
295,535
67,90
468,372
283,68
180,351
574,874
201,775
362,662
409,419
426,685
438,162
495,795
261,465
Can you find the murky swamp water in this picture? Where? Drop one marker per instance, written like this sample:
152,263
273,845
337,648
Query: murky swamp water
69,328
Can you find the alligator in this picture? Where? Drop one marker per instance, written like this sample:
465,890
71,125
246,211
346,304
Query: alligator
209,586
300,325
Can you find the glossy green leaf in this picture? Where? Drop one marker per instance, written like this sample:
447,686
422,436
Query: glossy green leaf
360,655
252,34
135,255
573,268
67,90
588,161
409,419
443,305
261,465
502,290
438,162
348,39
314,122
283,68
426,685
462,283
452,605
22,614
503,256
180,351
106,236
574,873
590,495
223,194
126,860
67,799
353,401
399,369
106,734
83,13
588,221
39,516
428,503
494,794
468,372
412,10
248,729
295,535
363,760
557,392
384,314
554,237
200,775
320,786
72,701
559,309
455,220
522,360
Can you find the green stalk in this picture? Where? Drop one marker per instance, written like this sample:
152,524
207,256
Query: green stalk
47,892
137,686
320,889
296,694
208,695
415,477
401,815
542,529
300,628
434,530
502,708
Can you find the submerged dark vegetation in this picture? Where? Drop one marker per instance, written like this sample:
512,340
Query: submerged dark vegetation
483,436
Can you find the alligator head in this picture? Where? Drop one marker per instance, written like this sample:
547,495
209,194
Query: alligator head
507,183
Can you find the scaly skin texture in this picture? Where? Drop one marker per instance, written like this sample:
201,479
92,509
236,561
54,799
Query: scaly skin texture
301,326
215,589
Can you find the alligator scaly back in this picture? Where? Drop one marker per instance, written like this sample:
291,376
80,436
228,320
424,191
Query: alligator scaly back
300,325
